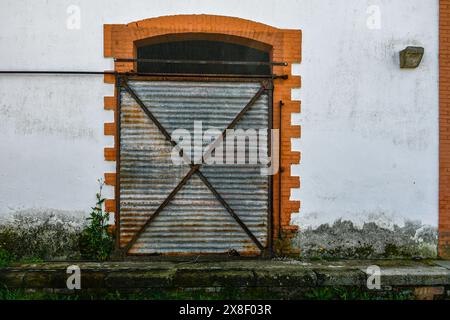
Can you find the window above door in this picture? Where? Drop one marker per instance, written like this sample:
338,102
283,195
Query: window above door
202,57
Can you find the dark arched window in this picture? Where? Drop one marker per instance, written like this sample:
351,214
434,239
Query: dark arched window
202,57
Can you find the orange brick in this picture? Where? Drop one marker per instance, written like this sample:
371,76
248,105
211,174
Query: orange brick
110,103
109,78
110,154
110,129
110,205
110,179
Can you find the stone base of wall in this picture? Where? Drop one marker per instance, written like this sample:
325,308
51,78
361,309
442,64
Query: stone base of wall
275,279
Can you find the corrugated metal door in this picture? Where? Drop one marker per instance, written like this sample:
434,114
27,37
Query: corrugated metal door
172,209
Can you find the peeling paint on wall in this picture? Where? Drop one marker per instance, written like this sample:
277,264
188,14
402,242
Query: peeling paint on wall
343,239
43,233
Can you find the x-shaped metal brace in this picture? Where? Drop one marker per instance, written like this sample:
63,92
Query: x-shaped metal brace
195,168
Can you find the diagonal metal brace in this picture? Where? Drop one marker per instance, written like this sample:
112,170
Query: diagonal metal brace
161,207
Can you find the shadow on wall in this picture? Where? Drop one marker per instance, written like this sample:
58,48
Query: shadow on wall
344,240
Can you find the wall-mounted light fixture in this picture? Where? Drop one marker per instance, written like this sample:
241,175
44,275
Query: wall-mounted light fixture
411,57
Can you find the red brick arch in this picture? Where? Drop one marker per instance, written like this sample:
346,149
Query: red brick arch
285,45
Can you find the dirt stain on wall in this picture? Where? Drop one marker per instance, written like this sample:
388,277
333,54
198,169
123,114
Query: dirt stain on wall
42,233
343,239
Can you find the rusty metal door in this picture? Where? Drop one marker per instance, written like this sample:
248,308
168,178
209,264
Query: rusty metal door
171,209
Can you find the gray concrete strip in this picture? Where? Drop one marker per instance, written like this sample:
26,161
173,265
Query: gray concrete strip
442,263
413,276
337,277
237,273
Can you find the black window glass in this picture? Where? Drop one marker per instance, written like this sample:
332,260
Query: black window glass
202,50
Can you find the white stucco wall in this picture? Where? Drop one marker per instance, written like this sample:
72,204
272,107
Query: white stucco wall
369,130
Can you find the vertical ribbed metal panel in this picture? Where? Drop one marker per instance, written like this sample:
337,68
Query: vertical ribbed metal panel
194,222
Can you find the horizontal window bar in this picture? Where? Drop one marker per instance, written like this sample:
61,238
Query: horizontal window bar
273,76
255,63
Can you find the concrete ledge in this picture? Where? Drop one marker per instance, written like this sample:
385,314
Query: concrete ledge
279,276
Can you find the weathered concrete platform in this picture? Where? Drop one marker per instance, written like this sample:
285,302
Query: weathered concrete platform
426,279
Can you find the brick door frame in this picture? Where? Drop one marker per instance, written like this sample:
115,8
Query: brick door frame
120,42
444,129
